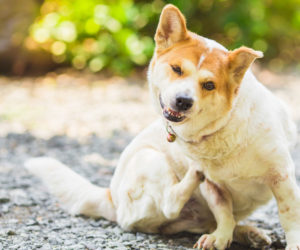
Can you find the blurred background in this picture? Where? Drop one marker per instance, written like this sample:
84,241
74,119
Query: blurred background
116,36
73,87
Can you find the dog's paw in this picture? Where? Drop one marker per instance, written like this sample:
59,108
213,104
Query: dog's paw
212,241
258,238
293,247
251,236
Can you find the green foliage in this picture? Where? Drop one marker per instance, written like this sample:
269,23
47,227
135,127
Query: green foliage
118,34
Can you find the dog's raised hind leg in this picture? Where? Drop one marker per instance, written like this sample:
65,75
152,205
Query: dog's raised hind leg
176,196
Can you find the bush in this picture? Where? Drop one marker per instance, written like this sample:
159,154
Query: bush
118,34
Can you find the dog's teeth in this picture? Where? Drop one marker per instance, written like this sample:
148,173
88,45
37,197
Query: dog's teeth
173,113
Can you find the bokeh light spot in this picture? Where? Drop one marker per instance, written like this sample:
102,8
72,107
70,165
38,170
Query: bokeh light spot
66,31
79,62
113,25
260,44
41,35
96,64
58,48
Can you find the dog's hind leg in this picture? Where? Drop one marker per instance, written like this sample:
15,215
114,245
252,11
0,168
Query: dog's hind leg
177,195
149,193
251,236
77,195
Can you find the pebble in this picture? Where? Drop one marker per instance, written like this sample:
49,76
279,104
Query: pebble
88,245
11,233
68,242
128,237
4,200
46,246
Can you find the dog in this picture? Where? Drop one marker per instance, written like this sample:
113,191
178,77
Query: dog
219,150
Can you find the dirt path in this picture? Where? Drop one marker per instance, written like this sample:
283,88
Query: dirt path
86,121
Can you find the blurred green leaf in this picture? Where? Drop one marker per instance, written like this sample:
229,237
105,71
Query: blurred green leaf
118,34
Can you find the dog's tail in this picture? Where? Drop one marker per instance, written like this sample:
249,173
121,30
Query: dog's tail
77,195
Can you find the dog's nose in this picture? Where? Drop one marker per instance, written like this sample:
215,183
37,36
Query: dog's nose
183,102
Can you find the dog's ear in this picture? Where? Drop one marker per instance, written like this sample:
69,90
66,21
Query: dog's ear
240,60
171,28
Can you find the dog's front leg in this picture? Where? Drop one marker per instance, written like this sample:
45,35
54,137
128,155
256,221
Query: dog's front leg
287,195
220,203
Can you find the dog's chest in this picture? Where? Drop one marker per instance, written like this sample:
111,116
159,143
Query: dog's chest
218,146
226,160
240,171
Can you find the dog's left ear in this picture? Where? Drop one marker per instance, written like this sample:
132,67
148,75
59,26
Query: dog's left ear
240,60
171,28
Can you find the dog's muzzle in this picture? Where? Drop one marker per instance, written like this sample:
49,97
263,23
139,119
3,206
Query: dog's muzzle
170,114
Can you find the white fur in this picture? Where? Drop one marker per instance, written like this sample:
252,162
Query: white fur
202,58
211,44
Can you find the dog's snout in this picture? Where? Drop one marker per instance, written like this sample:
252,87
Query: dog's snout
183,102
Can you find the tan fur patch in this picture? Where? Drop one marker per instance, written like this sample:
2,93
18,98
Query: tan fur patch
108,194
284,209
274,178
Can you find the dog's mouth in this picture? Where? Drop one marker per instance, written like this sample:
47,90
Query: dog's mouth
170,114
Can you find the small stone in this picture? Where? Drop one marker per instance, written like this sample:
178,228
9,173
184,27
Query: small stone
89,246
140,238
117,231
127,237
69,242
46,246
76,246
32,223
11,232
5,208
4,200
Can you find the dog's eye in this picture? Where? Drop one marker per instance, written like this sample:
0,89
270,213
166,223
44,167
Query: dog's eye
208,85
177,69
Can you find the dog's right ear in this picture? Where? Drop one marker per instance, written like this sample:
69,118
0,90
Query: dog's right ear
171,28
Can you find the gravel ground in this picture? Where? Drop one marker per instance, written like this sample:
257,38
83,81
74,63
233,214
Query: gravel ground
86,121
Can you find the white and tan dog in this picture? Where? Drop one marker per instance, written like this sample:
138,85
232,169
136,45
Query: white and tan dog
227,125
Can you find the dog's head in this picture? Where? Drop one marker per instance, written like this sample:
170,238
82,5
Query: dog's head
194,80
